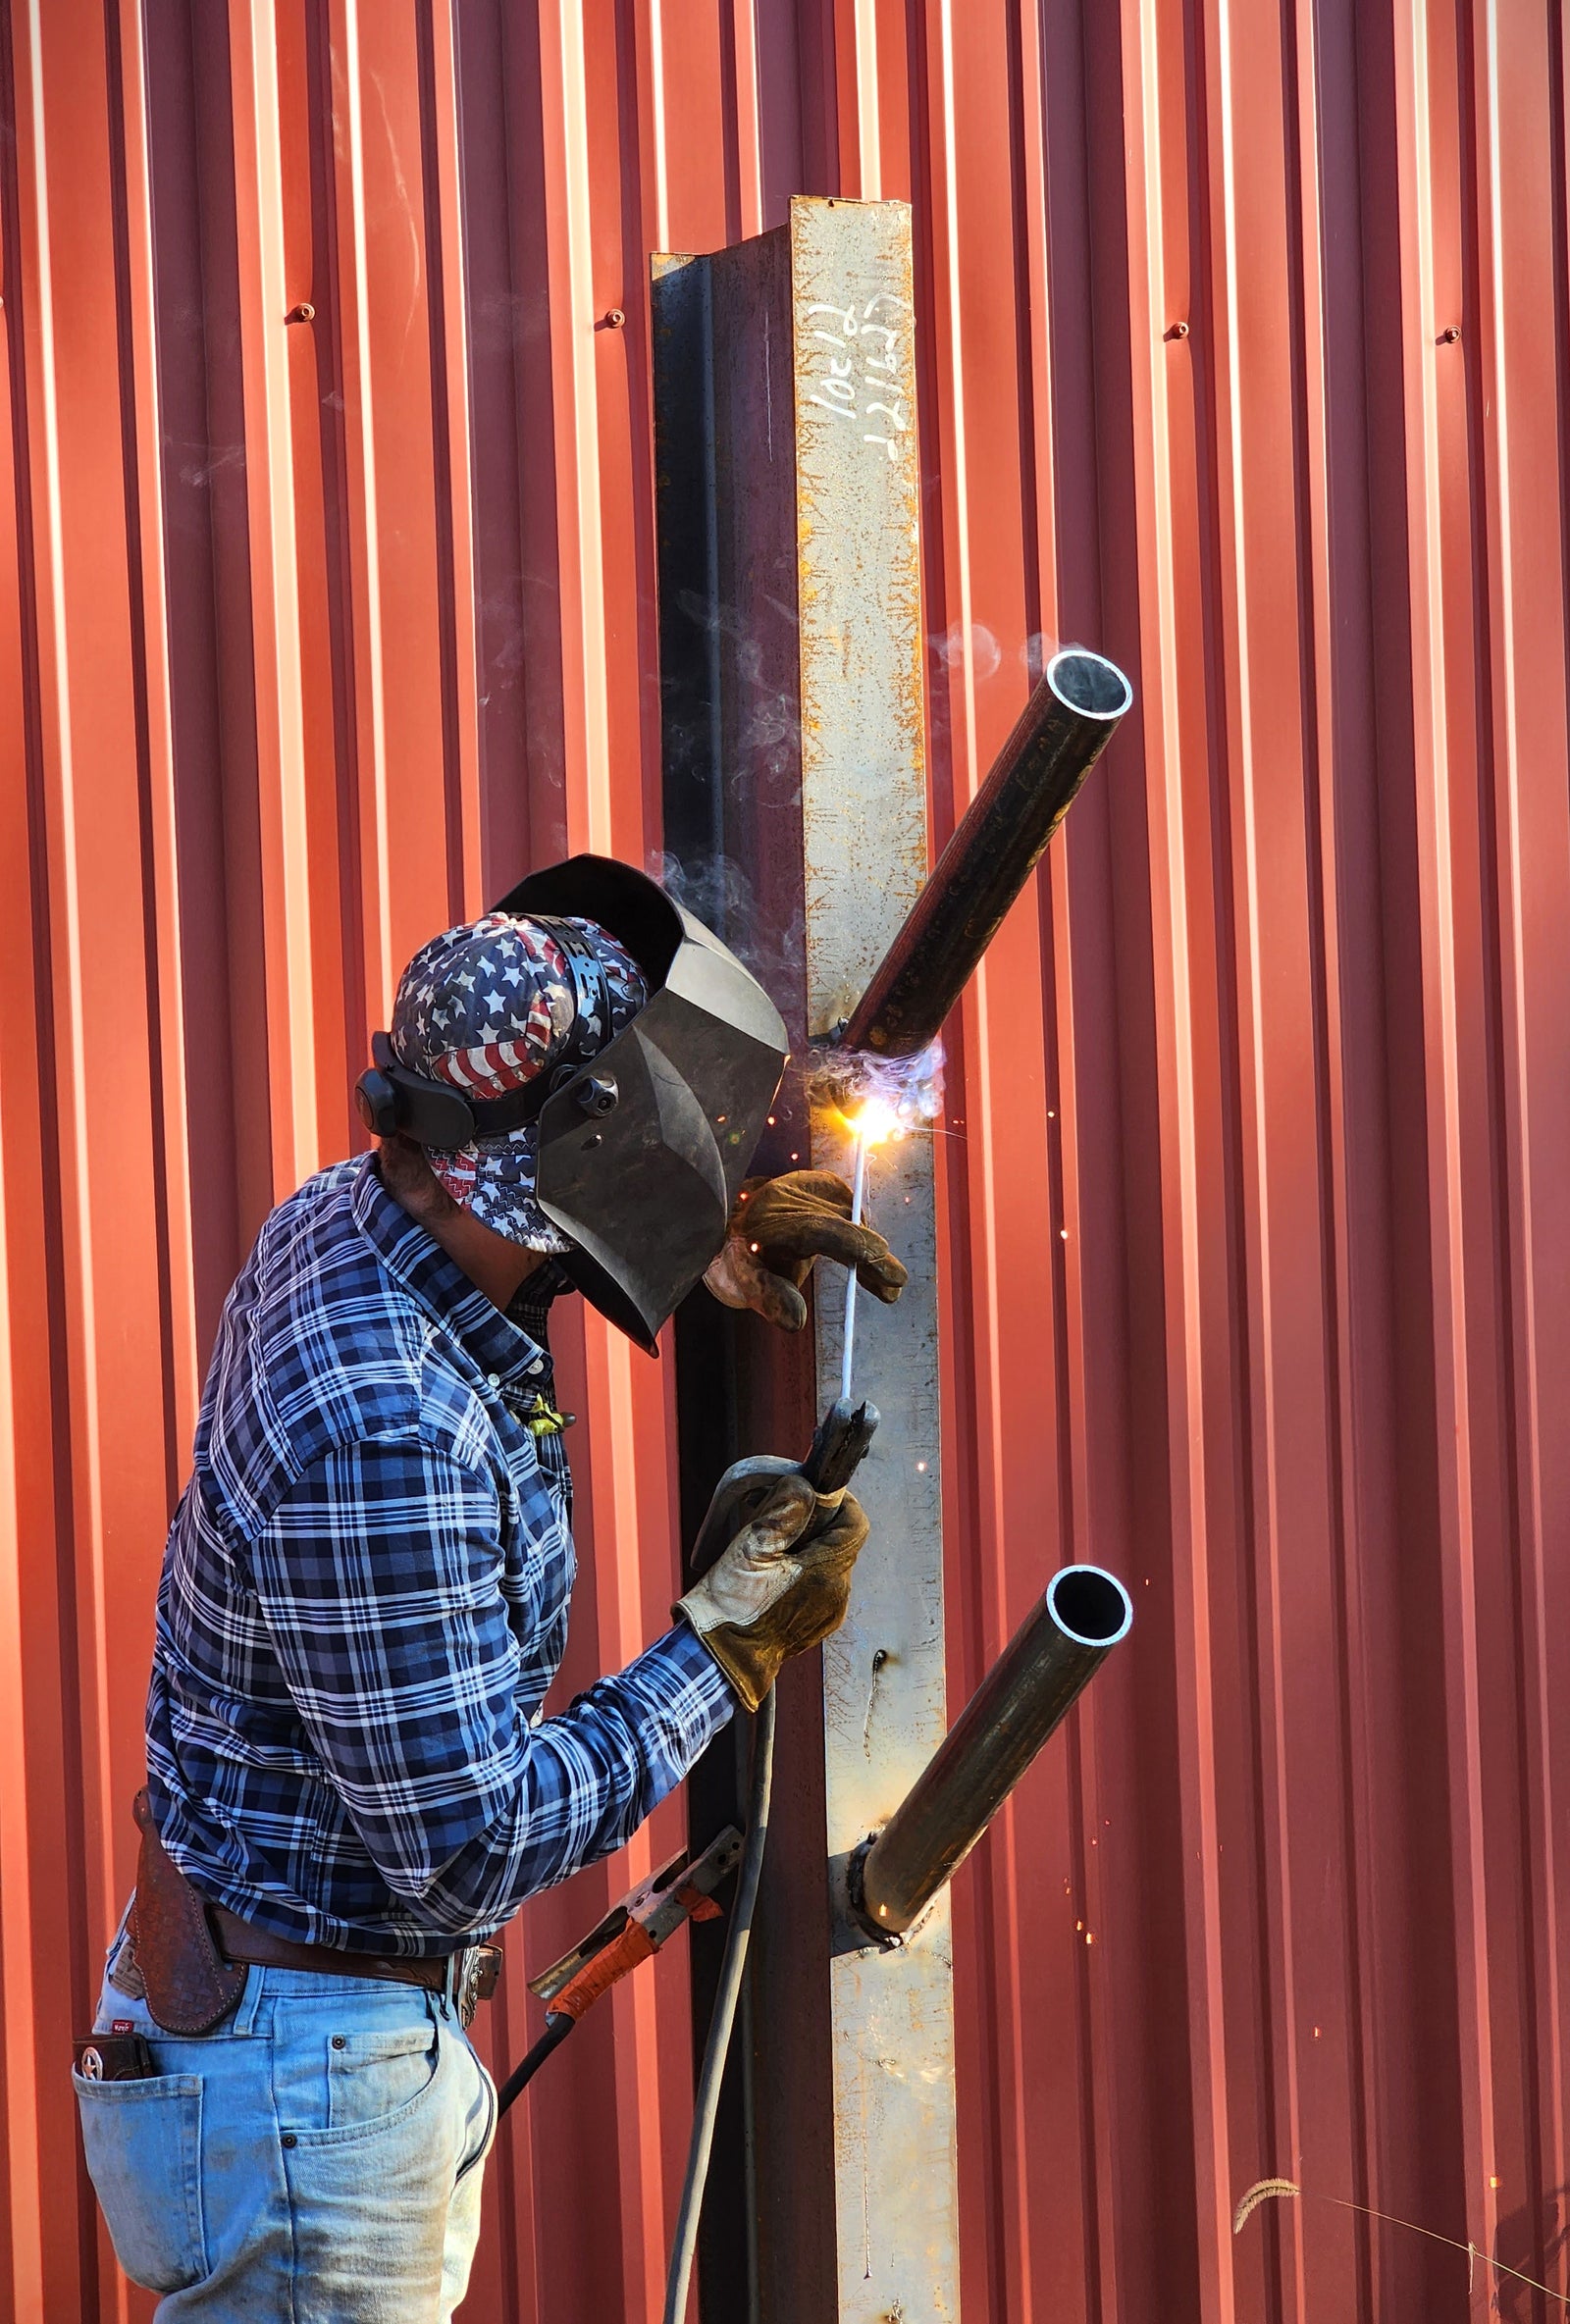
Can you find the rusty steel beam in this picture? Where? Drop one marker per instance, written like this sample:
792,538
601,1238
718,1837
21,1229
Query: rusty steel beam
795,795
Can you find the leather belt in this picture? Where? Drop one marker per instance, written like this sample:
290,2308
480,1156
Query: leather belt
474,1971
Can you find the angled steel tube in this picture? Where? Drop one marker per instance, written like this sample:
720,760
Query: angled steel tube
1050,1658
997,844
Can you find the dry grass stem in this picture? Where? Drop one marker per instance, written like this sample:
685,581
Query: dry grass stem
1264,2191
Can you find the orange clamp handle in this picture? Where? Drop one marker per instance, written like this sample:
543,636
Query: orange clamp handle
598,1976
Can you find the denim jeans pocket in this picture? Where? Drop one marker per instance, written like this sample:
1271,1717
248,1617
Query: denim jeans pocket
143,2142
372,2077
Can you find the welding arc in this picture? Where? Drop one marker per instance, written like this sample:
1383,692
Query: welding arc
1061,733
705,2107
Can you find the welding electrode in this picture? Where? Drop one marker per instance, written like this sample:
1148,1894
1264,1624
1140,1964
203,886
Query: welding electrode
857,1199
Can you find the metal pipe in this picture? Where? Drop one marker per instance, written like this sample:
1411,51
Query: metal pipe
998,843
1053,1655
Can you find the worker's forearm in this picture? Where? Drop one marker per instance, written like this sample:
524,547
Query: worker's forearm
587,1778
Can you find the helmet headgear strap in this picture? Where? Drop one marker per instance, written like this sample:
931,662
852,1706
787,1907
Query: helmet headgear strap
393,1098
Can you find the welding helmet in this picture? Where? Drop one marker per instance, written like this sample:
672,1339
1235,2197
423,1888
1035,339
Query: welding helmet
640,1142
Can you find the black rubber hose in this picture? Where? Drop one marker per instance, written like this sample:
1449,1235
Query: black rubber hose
557,2031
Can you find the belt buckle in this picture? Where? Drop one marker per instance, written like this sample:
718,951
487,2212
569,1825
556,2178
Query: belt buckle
477,1970
468,1982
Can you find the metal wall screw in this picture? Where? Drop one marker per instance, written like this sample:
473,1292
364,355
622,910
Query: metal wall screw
615,318
1176,330
303,313
1448,335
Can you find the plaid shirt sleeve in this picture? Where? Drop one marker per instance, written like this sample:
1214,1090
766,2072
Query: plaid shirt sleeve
379,1578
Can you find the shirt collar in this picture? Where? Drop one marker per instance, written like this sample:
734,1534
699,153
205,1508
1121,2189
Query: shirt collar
413,1258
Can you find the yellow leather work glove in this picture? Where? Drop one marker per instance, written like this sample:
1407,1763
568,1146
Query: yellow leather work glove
779,1586
778,1229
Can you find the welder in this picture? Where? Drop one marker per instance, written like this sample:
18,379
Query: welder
352,1784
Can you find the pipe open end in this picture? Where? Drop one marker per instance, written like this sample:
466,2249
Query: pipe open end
1090,684
1089,1606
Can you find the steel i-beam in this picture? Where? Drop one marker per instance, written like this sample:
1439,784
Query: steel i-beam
796,798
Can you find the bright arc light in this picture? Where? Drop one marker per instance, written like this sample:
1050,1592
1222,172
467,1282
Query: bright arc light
876,1121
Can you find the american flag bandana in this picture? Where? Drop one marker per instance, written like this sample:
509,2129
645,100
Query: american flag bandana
485,1007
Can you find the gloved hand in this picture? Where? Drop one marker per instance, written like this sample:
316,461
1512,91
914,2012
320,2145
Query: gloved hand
778,1229
779,1586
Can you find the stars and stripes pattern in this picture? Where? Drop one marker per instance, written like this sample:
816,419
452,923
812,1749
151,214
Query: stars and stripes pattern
486,1007
364,1600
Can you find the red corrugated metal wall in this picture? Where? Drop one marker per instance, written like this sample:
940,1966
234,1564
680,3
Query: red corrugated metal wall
327,577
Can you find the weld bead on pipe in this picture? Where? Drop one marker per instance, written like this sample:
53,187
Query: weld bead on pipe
1062,732
1049,1661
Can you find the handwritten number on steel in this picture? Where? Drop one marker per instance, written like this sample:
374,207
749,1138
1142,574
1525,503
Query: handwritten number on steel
835,387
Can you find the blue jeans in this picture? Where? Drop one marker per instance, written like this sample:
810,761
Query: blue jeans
317,2159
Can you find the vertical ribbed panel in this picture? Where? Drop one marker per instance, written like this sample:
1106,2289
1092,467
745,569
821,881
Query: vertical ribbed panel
1245,339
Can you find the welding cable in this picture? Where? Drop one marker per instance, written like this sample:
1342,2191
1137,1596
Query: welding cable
723,2017
557,2031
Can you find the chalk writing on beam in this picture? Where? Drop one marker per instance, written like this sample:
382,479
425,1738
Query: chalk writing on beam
860,358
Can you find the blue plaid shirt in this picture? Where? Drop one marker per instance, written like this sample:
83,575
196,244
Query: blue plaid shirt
365,1597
